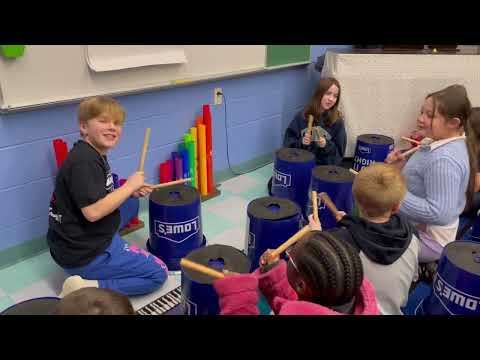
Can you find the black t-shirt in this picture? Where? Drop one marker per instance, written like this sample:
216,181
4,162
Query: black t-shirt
83,179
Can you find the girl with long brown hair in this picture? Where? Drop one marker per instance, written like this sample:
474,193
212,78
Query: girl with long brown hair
440,176
328,138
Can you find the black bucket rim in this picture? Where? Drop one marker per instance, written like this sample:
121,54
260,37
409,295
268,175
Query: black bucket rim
468,269
55,299
205,279
392,140
349,177
149,249
306,153
291,206
180,188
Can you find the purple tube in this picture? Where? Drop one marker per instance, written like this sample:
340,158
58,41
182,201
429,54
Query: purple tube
178,167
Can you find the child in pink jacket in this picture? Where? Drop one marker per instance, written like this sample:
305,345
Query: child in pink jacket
323,276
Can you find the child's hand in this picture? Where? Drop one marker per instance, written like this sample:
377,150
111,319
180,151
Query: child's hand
340,215
418,134
143,191
322,142
267,258
229,273
313,224
395,157
307,138
136,181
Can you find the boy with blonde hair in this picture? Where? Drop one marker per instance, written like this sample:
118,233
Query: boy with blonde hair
94,301
84,216
387,242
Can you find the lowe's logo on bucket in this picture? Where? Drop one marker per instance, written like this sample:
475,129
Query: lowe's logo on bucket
281,179
359,162
449,296
177,232
364,149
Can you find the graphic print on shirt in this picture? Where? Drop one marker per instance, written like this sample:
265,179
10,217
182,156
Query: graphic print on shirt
52,210
109,182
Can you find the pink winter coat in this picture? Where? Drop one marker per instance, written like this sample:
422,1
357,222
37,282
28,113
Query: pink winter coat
238,295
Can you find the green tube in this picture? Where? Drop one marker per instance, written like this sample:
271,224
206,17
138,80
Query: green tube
190,146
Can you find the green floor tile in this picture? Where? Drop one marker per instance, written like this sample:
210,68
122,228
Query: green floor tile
265,172
5,302
254,193
260,176
224,194
212,224
27,272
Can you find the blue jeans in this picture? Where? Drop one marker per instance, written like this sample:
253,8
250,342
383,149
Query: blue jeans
125,268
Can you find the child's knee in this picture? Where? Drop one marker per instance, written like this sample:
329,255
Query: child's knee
161,275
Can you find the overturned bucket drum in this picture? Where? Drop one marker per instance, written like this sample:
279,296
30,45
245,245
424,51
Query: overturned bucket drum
291,175
199,297
175,224
456,285
270,222
337,182
371,148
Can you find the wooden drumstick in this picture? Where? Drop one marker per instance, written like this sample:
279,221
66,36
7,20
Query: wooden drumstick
315,206
310,124
411,140
201,268
411,151
278,251
170,183
331,206
353,172
424,142
146,141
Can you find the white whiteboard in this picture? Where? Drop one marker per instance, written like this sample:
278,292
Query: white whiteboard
50,74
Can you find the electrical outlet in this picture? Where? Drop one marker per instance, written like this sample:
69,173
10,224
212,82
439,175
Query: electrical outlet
217,99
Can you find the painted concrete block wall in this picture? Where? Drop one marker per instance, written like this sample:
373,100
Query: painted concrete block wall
258,109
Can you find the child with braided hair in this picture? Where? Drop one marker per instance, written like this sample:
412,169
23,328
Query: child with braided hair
323,276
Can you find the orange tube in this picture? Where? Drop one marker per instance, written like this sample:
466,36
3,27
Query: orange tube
202,142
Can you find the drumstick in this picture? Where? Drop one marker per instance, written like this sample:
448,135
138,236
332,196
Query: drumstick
315,206
278,251
411,140
331,206
201,268
170,183
146,140
353,172
411,151
310,124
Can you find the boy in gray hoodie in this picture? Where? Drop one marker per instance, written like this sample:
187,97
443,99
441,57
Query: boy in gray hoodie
387,242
